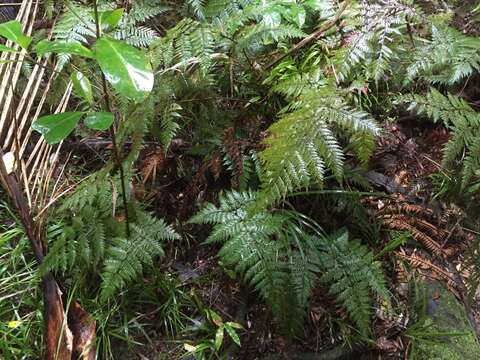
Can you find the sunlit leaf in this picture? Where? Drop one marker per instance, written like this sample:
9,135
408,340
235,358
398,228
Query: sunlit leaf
99,120
110,18
82,86
57,127
232,333
12,30
125,67
66,47
189,348
219,338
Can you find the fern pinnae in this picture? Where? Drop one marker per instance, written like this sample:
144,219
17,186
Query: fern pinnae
126,257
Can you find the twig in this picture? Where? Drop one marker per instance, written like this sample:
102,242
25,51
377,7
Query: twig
314,36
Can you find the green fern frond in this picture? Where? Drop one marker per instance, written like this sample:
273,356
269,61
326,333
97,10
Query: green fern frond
449,57
374,40
302,144
143,10
254,37
197,7
188,43
127,257
139,36
461,119
249,246
352,274
168,126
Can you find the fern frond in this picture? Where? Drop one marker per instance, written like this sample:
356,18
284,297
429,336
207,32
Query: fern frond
256,36
302,145
127,257
249,246
143,10
168,126
352,274
449,57
461,119
374,40
139,36
197,7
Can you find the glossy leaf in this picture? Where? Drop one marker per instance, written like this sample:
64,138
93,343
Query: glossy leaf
57,127
232,333
82,86
65,47
99,120
110,18
219,338
12,30
125,67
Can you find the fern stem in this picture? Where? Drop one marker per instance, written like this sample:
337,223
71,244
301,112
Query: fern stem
115,151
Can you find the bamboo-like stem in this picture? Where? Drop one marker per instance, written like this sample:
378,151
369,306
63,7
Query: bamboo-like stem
115,151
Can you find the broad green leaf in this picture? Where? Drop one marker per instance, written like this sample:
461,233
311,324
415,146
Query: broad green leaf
271,16
66,47
6,48
98,120
219,338
57,127
235,325
12,30
294,13
82,86
232,333
125,67
110,18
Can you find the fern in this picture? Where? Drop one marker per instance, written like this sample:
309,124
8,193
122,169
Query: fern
187,43
127,257
140,36
89,241
303,145
197,7
461,119
375,39
352,274
249,246
143,10
283,262
449,57
169,126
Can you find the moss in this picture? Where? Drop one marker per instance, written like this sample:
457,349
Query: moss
448,316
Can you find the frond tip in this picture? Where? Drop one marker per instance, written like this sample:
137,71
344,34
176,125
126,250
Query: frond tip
303,145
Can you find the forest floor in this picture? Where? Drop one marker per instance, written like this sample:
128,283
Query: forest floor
407,155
